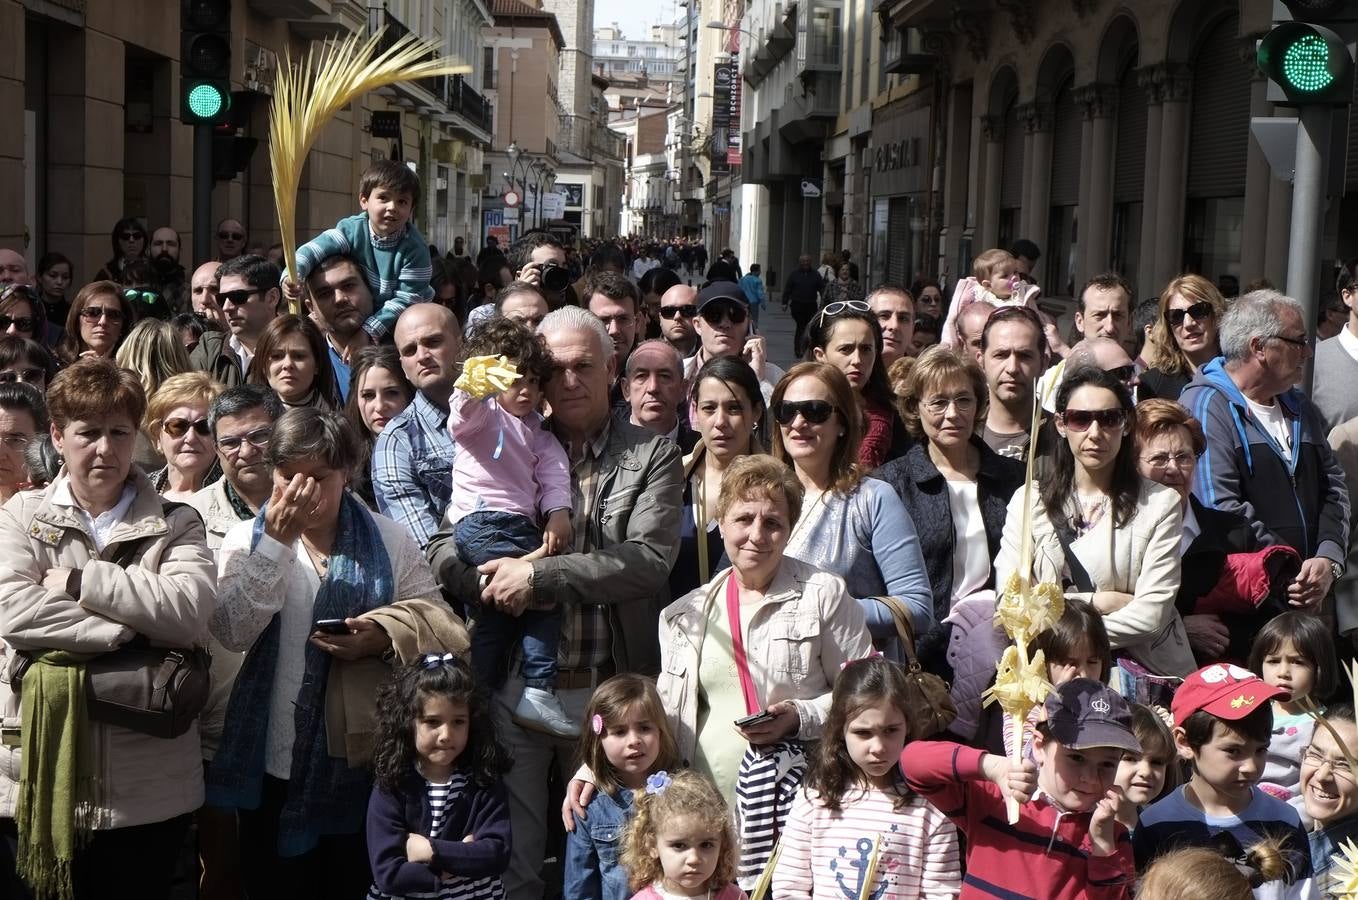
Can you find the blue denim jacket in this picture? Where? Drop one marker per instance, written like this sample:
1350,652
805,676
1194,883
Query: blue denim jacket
592,849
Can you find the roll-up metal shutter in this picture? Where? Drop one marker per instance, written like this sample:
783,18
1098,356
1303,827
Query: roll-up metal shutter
898,241
1129,167
1011,169
1066,141
1219,116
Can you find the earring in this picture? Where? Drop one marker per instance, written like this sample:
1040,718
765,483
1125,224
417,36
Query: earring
842,433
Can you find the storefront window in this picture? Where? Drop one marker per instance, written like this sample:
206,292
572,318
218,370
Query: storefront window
1062,231
1212,237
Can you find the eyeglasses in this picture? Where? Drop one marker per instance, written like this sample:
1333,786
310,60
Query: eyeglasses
95,313
24,376
688,311
716,313
23,323
1295,342
18,442
1081,419
131,236
177,428
964,403
1161,461
230,236
839,306
259,439
1123,373
815,412
236,298
1340,767
1200,312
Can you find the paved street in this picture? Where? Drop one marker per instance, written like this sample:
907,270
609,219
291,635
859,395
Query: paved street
777,328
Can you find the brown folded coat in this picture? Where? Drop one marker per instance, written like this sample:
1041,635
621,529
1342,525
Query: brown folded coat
416,627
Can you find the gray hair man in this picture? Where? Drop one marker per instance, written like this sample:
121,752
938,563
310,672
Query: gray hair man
1267,458
653,386
627,489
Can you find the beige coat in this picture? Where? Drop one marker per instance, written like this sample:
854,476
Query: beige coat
166,595
798,640
1140,558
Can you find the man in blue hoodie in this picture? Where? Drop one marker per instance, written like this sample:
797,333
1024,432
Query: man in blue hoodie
1267,458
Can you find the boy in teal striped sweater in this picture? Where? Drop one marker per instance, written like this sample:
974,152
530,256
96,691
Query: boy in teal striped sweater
382,241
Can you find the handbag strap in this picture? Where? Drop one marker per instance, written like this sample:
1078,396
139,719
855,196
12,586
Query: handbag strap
1078,575
738,644
905,629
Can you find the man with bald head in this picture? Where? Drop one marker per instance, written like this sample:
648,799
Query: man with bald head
230,239
627,494
203,294
13,268
412,469
1106,354
678,309
970,325
653,386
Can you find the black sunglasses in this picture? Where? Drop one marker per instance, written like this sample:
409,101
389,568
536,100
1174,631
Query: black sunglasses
1081,419
688,311
1123,373
236,298
1199,311
23,323
95,313
714,313
131,236
230,236
814,411
177,428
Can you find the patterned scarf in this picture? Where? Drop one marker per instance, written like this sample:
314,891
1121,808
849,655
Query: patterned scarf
324,795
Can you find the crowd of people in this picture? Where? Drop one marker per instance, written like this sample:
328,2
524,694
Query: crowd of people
349,575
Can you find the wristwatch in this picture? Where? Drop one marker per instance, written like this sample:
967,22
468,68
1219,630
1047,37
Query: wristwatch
1336,570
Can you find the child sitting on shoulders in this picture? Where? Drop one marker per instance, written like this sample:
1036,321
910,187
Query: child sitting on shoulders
995,280
1293,651
1067,843
389,250
1222,724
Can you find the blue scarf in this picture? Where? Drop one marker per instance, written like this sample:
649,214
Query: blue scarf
324,795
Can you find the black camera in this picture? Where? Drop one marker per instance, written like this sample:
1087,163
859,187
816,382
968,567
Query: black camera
554,278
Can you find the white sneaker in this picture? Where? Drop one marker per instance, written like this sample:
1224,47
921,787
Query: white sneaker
540,710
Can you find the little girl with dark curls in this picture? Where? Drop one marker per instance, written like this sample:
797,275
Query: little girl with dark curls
438,819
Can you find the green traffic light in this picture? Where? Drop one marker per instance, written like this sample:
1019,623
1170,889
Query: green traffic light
206,101
1306,64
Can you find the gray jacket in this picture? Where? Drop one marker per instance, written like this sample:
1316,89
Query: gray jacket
635,528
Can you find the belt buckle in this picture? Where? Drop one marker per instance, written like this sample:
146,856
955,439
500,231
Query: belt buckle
11,735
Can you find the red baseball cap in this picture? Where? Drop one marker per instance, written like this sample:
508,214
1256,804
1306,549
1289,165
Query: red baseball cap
1226,691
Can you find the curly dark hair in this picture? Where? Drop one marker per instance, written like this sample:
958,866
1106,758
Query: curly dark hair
501,336
399,704
862,683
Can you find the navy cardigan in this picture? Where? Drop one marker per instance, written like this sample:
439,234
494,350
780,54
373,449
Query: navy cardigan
924,492
392,817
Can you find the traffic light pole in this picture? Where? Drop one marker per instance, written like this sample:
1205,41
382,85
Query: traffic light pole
202,193
1308,214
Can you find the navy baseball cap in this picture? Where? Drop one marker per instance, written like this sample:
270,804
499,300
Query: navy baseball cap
721,290
1084,713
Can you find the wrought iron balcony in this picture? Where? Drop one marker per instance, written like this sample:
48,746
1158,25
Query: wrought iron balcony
395,30
464,100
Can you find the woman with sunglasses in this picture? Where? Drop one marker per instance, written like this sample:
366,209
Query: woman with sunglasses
1100,529
847,335
129,243
726,408
25,361
1184,338
378,392
851,526
955,488
23,314
292,358
176,423
100,318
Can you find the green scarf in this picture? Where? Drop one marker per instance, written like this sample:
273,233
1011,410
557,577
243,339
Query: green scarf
56,773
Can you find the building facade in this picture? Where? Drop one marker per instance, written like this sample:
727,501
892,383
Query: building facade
658,57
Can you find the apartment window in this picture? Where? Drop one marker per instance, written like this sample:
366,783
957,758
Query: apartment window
488,69
650,51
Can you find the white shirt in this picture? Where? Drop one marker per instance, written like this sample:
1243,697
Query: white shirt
243,353
100,526
971,553
1275,423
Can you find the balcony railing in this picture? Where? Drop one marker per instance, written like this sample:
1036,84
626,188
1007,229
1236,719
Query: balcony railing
395,30
463,99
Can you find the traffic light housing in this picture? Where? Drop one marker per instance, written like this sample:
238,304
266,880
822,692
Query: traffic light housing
1310,63
205,61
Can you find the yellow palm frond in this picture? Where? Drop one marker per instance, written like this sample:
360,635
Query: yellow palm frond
307,96
761,887
870,873
1344,871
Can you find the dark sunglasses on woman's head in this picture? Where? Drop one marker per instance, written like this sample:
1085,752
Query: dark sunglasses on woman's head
177,428
23,323
1199,311
95,313
715,313
814,411
688,311
140,296
839,306
1081,419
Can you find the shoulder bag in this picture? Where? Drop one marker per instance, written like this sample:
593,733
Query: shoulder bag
931,707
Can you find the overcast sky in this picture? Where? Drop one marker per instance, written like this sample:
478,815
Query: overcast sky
635,16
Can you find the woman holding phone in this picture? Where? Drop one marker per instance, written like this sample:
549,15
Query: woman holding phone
294,586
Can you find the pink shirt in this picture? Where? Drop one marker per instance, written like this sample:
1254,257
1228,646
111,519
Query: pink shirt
531,474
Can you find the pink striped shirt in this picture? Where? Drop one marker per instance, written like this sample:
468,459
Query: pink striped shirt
824,853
